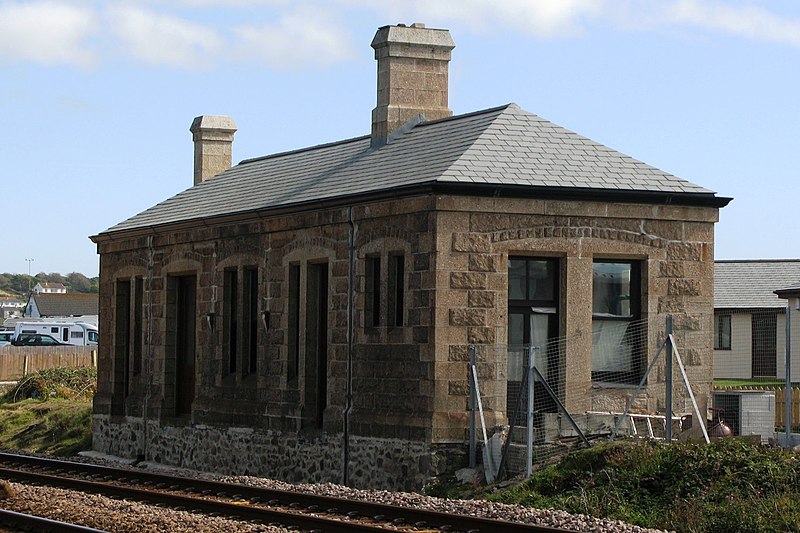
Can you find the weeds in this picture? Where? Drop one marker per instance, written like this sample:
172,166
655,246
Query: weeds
729,485
64,382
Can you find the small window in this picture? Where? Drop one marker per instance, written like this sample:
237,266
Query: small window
372,293
293,366
76,334
250,320
230,332
722,332
54,329
396,289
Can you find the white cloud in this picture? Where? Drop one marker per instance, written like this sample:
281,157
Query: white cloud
164,39
46,32
541,18
302,37
745,20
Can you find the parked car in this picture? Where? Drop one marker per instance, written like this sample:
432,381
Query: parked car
6,337
37,339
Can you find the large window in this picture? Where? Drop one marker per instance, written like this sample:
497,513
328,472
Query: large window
617,332
722,332
532,322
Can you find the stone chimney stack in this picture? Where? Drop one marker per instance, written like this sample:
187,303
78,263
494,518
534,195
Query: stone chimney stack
412,76
213,141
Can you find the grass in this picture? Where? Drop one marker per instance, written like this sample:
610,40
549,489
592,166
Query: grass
49,412
757,382
729,485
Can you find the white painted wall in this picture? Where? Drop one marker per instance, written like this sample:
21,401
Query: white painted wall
736,363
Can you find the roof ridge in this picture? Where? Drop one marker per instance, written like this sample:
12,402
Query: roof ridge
301,150
364,137
468,115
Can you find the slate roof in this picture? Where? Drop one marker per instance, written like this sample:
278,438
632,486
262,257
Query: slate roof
504,146
67,304
751,284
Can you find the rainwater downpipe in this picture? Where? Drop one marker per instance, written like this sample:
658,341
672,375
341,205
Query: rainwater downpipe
351,241
788,394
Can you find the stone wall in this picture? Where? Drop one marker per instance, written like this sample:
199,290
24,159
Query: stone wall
410,383
475,238
374,463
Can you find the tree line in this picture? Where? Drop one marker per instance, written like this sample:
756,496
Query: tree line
20,284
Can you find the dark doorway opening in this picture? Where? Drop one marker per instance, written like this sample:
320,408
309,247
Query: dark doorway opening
316,360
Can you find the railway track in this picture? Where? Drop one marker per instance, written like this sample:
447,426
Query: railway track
307,512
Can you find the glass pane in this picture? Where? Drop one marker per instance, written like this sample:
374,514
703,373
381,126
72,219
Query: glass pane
611,351
538,331
611,289
542,280
516,351
516,279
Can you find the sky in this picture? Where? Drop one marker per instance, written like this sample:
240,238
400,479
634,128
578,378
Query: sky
96,97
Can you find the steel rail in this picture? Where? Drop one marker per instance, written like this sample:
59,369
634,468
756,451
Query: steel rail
37,523
235,511
299,500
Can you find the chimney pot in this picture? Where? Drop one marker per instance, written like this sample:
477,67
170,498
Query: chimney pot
213,143
412,76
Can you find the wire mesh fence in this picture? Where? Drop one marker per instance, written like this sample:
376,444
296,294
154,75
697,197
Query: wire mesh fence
648,379
751,371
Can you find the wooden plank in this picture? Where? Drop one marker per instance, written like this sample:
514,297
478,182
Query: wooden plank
18,361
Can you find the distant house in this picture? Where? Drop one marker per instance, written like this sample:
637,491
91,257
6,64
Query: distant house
58,305
49,288
10,307
750,321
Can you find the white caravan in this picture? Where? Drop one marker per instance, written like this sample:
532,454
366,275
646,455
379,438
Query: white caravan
77,333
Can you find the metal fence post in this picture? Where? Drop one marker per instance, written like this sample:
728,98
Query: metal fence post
473,362
529,444
788,395
668,385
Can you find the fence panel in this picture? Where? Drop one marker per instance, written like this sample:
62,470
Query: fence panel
19,361
780,408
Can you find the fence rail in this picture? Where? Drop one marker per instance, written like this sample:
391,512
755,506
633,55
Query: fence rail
18,361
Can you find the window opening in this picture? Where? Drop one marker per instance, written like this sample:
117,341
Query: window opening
722,332
617,336
533,320
396,289
250,319
316,348
294,322
372,294
181,325
121,341
138,331
230,309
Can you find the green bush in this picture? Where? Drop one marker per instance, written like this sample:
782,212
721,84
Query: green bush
63,383
729,485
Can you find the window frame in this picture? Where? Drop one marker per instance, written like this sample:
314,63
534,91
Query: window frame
637,363
719,333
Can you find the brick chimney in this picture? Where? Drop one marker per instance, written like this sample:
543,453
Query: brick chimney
412,76
213,140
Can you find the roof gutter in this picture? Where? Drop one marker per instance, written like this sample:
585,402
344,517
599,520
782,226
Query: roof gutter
436,187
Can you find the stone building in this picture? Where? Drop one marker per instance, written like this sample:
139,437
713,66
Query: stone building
307,315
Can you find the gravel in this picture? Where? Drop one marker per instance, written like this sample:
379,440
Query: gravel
126,516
